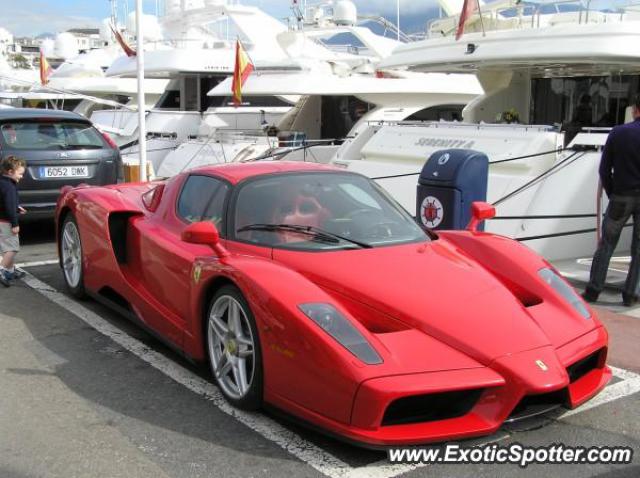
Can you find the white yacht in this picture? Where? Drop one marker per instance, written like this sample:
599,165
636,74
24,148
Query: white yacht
83,74
333,105
197,51
78,83
561,79
186,112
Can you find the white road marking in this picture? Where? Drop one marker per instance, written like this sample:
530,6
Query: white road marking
307,452
37,263
635,312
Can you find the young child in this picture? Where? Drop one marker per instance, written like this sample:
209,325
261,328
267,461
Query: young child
11,172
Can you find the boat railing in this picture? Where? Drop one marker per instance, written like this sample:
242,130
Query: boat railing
254,136
171,10
510,15
187,43
464,125
389,27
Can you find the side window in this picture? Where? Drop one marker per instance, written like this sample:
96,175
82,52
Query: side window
202,199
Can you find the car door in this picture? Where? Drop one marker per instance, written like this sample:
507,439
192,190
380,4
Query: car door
166,261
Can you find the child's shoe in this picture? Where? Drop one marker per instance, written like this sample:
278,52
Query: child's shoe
4,279
17,274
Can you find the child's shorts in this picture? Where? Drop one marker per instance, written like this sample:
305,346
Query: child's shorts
9,242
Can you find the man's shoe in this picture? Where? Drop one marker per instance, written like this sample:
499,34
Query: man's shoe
589,295
629,300
4,280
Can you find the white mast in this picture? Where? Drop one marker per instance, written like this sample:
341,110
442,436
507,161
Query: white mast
142,138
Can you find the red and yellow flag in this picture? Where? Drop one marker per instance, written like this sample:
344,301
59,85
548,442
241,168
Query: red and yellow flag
241,72
45,69
467,9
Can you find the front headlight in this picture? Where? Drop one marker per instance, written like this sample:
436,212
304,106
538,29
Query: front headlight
343,331
561,287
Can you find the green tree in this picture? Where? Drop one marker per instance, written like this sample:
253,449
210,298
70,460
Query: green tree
20,61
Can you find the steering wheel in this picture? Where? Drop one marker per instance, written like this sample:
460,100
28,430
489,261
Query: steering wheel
373,229
360,212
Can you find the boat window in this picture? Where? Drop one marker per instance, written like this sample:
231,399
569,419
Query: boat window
202,199
190,93
437,113
207,83
170,100
248,101
578,102
340,114
67,104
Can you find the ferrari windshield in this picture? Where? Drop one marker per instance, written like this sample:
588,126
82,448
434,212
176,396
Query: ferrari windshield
320,211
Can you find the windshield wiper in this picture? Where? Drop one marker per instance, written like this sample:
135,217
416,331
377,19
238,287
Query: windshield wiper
82,146
317,233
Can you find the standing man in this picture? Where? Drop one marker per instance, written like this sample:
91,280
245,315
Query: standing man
620,177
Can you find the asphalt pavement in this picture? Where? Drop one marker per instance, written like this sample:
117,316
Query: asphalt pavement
85,393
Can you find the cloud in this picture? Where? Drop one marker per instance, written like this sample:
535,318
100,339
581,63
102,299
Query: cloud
28,21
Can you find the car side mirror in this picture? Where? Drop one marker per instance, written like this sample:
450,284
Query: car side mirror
206,233
479,212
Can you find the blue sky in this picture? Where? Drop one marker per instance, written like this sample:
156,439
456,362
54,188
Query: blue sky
32,17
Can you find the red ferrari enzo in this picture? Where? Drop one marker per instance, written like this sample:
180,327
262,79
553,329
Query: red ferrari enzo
306,288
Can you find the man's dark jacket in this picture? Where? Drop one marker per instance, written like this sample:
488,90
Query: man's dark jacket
9,200
620,164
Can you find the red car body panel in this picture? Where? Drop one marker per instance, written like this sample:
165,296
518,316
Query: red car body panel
467,312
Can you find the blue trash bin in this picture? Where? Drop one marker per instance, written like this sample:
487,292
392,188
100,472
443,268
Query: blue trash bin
450,181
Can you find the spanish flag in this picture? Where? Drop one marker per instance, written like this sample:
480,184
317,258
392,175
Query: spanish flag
45,69
467,9
241,72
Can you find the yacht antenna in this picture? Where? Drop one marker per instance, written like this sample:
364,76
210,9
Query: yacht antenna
113,11
398,17
298,13
484,34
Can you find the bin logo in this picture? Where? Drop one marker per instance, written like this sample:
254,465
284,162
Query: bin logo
431,212
444,159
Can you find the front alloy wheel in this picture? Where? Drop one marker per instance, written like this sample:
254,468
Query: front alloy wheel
234,349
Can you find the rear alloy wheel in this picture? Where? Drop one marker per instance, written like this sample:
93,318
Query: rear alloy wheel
71,257
234,348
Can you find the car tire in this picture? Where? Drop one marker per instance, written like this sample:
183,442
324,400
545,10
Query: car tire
71,257
235,357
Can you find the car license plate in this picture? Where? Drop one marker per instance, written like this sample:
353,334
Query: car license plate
50,172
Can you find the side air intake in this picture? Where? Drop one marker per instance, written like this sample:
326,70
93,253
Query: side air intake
431,407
